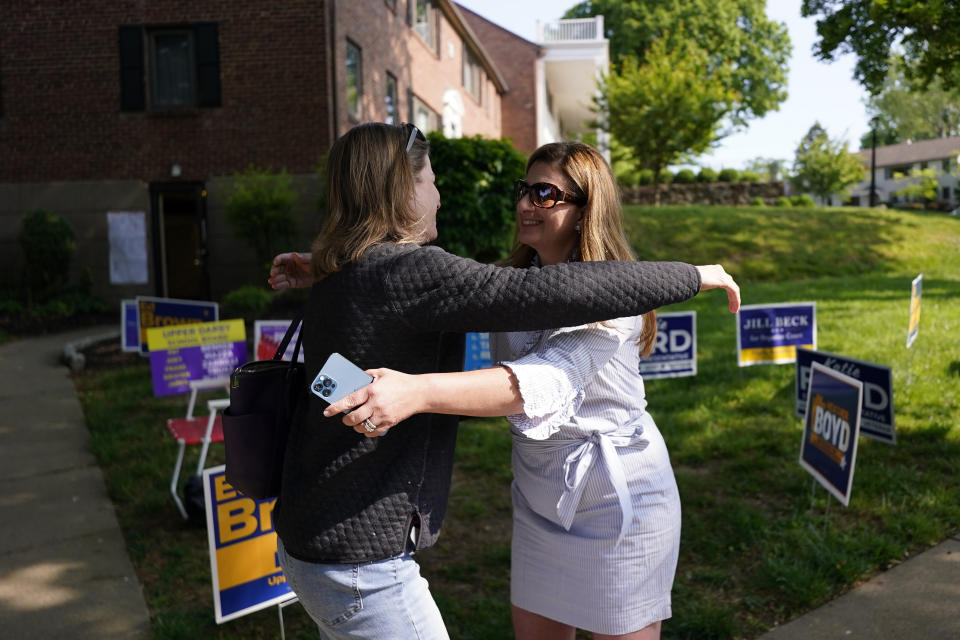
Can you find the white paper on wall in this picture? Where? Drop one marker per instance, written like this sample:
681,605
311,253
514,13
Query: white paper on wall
128,247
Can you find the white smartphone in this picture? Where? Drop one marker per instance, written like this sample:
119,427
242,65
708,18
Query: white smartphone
338,377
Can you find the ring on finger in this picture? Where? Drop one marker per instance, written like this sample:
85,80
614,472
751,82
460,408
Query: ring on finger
369,426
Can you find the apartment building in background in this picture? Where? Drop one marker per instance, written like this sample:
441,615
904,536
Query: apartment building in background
939,154
131,120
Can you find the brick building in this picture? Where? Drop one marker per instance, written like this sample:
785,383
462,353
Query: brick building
146,110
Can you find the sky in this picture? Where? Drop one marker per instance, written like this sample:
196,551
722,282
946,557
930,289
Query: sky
816,91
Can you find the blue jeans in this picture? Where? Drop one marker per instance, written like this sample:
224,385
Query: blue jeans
377,600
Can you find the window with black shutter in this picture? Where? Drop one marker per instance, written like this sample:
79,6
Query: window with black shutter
169,67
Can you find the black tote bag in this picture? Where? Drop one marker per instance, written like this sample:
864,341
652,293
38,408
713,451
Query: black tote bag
264,395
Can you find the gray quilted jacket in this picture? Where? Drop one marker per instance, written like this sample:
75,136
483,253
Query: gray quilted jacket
346,498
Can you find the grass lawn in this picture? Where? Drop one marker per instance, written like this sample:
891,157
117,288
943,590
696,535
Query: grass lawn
759,545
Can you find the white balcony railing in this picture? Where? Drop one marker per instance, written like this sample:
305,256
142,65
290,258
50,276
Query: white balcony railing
579,30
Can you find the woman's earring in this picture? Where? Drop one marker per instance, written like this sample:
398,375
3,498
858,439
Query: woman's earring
577,228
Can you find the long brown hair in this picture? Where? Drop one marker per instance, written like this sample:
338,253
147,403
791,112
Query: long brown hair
601,226
370,179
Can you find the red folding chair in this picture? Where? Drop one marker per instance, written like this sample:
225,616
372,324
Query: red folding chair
197,430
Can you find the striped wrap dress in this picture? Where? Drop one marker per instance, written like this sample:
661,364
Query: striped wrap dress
596,512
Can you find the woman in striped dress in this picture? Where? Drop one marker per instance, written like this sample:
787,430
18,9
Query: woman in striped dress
596,509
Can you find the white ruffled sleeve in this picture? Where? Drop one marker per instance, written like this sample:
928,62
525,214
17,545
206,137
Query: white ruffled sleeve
553,375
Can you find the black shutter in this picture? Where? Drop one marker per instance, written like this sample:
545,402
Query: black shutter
208,64
132,97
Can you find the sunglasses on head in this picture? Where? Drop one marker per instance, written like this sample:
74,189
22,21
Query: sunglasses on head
414,134
545,195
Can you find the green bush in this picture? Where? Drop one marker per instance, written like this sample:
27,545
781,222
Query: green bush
803,200
685,176
246,302
666,176
749,176
784,201
707,175
475,177
645,176
758,202
260,209
728,175
48,244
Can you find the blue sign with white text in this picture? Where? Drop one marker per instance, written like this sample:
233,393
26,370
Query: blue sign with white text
674,353
831,427
477,352
771,333
876,419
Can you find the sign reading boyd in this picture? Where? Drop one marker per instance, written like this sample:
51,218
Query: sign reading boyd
831,429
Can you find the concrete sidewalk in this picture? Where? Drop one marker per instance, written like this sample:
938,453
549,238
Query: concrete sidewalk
65,572
64,568
916,600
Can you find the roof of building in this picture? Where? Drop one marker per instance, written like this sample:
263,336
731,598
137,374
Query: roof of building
452,11
906,153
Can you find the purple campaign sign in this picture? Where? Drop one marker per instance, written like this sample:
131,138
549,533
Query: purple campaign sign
173,370
674,354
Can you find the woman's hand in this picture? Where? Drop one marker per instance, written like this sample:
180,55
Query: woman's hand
290,271
714,277
392,397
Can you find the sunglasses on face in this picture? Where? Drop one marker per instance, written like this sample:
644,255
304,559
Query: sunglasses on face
414,134
545,195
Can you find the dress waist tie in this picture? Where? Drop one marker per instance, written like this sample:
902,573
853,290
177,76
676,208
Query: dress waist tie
578,464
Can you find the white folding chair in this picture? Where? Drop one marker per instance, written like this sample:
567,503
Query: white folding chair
197,430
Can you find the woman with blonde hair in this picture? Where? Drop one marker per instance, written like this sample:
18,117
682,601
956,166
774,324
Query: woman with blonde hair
596,510
352,509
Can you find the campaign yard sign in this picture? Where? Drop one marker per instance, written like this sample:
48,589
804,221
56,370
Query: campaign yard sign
129,327
771,333
477,352
196,351
831,428
164,312
674,353
244,567
267,336
916,288
876,414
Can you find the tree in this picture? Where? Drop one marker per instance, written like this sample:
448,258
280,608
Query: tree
924,31
665,107
922,185
259,207
748,52
770,169
904,110
824,167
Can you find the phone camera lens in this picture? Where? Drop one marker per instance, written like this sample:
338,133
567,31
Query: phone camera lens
327,382
326,392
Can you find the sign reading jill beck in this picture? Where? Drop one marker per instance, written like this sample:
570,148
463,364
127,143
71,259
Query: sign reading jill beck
770,333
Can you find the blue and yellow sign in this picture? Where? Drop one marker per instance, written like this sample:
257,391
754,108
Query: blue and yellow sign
771,333
164,312
913,328
243,550
831,428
